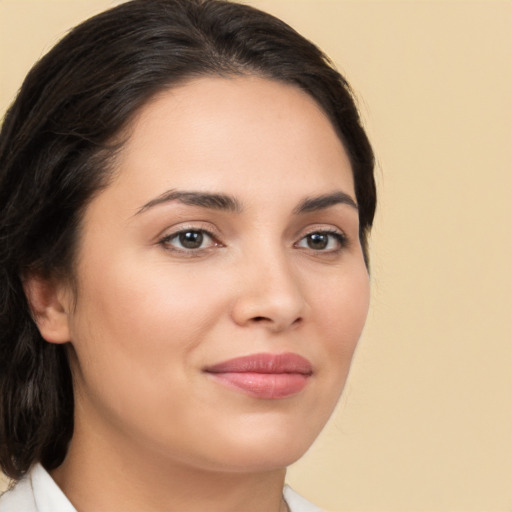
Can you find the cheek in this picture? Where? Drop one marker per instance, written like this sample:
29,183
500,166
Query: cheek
138,322
133,301
135,333
338,310
343,307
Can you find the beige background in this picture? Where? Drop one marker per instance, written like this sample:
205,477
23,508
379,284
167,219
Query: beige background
426,420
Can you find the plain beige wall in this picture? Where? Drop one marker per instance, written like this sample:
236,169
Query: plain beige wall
425,423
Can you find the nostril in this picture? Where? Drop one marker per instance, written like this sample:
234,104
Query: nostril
264,319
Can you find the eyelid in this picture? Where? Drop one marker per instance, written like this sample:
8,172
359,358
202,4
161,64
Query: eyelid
171,233
341,237
189,225
322,228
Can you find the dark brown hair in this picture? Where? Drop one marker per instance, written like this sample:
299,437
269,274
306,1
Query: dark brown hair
55,149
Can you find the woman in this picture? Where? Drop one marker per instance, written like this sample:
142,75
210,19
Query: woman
185,194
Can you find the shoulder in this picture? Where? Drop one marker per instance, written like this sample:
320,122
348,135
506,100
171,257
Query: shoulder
20,498
296,503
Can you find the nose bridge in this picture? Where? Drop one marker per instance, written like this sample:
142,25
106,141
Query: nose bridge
269,289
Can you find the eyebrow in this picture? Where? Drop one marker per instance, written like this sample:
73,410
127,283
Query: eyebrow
313,204
229,203
202,199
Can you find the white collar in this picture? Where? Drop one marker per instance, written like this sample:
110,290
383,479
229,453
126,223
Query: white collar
38,492
296,503
35,492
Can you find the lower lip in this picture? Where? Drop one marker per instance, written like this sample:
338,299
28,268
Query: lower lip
264,385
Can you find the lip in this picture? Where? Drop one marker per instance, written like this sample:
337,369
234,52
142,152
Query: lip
266,376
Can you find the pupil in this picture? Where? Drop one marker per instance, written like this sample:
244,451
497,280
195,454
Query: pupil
191,239
317,241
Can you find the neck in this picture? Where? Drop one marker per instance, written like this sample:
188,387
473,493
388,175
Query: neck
106,474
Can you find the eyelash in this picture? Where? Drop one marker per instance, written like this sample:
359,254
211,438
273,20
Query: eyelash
340,238
167,240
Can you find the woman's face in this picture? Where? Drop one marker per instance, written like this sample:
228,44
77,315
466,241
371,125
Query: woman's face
230,231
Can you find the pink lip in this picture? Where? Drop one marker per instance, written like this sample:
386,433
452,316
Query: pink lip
268,376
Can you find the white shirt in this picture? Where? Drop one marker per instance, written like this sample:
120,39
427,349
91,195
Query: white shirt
38,492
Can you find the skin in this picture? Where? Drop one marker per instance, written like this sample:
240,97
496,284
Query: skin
153,431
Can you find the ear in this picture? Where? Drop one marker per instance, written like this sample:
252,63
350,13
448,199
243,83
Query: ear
49,305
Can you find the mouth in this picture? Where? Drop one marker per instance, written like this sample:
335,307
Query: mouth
265,376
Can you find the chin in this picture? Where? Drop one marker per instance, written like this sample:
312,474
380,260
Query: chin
263,449
249,460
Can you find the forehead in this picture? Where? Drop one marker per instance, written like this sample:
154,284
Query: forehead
233,135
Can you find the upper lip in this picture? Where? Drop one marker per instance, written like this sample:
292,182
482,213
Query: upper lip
264,363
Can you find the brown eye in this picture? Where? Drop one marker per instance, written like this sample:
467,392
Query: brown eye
323,241
317,241
191,239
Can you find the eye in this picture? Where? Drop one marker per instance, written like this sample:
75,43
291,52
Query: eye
324,241
189,240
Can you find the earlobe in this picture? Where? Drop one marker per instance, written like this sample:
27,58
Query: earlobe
49,308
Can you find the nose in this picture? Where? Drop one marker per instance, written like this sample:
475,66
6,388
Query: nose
269,294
